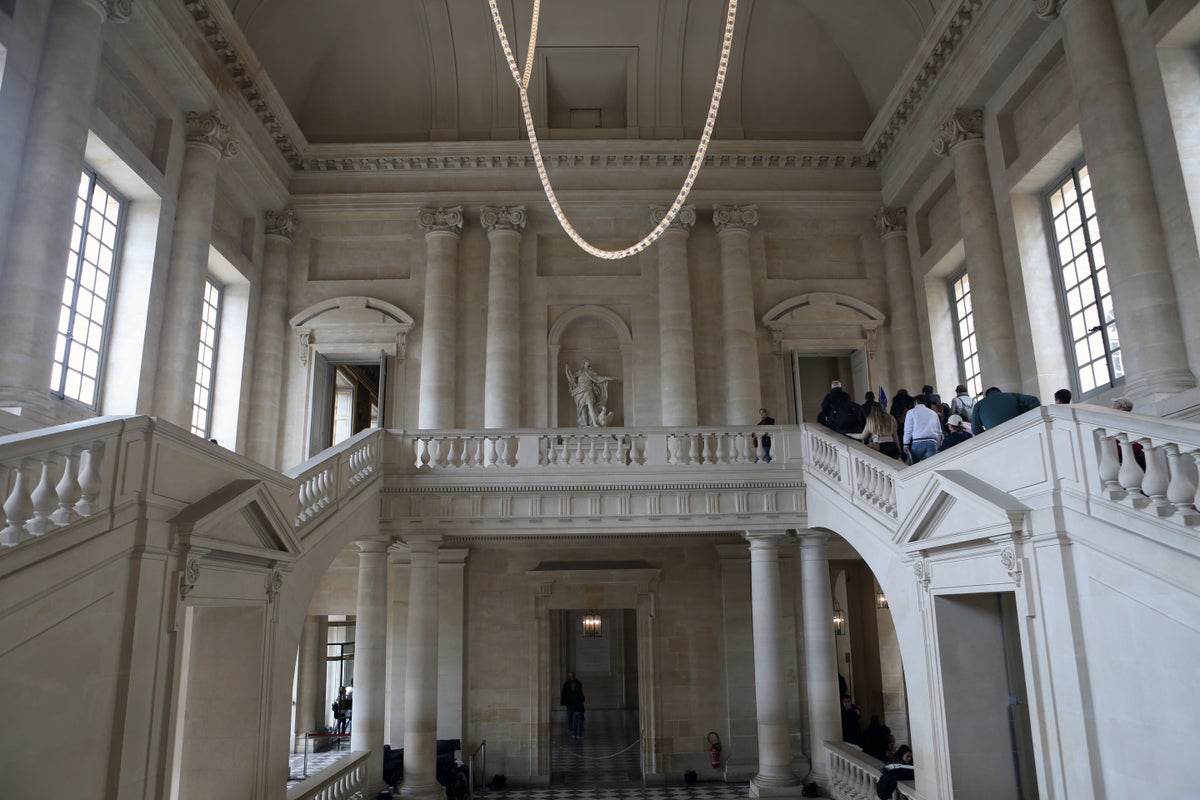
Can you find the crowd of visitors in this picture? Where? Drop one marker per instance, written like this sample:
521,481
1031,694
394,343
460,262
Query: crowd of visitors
876,740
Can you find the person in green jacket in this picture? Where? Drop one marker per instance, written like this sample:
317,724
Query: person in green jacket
997,407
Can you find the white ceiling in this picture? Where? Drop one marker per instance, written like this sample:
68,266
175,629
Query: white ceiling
419,70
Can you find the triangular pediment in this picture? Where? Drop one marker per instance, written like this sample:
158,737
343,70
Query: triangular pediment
954,508
240,521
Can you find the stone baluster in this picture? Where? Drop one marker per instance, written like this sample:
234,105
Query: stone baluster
209,139
502,367
1139,273
1130,476
1181,492
743,392
774,741
266,391
437,395
1195,454
1110,469
677,360
90,481
892,224
47,187
1155,483
45,500
961,138
18,509
68,490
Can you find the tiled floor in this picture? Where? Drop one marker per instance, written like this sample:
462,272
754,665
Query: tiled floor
316,762
604,765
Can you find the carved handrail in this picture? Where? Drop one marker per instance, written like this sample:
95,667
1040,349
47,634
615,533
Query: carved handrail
342,780
326,479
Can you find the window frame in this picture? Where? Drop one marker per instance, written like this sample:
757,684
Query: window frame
1052,244
212,365
75,262
973,383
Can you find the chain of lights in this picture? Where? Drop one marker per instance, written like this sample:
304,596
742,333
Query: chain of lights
522,81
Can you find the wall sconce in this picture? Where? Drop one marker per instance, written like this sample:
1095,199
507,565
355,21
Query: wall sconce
839,621
592,622
881,599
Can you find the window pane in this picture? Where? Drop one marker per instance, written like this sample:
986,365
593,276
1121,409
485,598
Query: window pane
206,361
964,326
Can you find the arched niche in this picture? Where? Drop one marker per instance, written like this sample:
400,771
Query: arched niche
601,335
350,330
826,324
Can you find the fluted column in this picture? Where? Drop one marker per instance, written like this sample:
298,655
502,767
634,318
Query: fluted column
421,672
40,237
961,138
820,657
743,393
774,736
208,141
370,654
502,367
906,348
310,679
437,401
266,394
677,359
1131,228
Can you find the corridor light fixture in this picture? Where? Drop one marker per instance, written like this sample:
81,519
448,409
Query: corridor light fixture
881,599
522,81
592,623
839,621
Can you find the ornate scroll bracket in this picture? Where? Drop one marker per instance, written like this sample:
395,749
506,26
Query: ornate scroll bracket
684,220
282,224
274,584
1012,564
212,131
191,574
1048,9
922,570
440,220
502,218
728,218
964,125
889,221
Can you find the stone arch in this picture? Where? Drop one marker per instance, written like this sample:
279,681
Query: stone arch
560,349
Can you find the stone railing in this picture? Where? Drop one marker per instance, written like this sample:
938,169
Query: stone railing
324,479
853,775
342,780
53,477
606,448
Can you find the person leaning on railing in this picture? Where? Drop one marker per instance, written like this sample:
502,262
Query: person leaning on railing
900,768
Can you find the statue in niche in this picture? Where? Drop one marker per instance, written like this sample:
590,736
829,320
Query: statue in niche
590,393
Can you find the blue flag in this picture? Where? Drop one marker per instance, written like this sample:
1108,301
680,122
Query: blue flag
882,398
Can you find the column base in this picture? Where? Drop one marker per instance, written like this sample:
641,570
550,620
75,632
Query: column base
424,791
775,787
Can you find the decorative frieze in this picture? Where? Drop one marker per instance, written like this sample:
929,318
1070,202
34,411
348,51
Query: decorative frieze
926,76
210,130
589,160
282,224
446,220
964,125
735,217
502,218
1048,9
684,220
891,220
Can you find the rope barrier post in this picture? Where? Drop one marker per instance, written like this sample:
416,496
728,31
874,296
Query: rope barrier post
306,740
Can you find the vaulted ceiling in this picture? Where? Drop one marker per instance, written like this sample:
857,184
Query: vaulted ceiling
420,70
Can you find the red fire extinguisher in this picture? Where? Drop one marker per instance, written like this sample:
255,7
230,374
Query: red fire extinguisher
714,749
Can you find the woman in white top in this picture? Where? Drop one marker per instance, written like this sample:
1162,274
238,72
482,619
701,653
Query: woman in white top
880,432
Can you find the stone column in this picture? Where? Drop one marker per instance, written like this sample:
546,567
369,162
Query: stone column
905,345
961,138
370,655
743,392
421,672
502,368
1130,225
677,367
208,141
441,227
820,656
310,680
266,393
774,736
40,237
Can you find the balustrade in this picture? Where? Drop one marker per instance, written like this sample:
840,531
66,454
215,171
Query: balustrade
1167,486
47,490
344,779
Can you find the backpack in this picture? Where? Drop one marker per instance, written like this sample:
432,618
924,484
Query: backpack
962,405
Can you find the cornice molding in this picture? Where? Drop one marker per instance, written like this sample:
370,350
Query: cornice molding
927,74
242,76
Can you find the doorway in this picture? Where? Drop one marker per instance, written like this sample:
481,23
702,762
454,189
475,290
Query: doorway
347,399
600,648
986,705
811,376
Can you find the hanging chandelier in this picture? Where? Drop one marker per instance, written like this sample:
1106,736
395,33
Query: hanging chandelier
522,81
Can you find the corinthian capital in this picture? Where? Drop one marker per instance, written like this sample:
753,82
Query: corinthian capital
446,220
1048,9
211,131
502,218
964,124
891,220
112,10
728,218
282,224
684,220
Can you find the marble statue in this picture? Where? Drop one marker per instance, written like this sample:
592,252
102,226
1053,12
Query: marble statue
590,393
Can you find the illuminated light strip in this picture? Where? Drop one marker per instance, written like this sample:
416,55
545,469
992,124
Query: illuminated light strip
522,81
